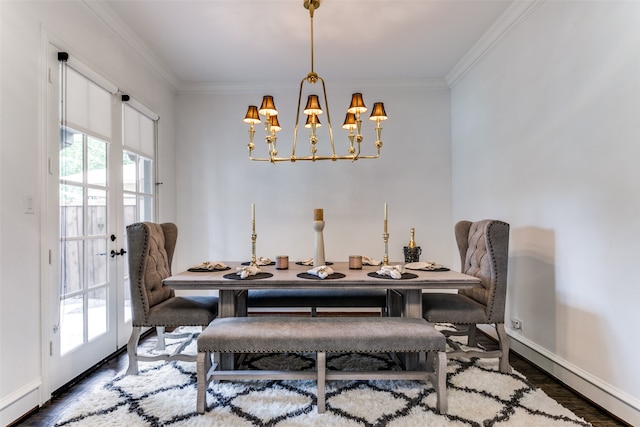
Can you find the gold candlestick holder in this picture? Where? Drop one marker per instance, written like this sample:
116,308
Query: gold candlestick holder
385,259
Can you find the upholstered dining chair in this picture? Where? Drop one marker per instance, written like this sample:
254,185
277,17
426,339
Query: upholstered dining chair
153,304
484,253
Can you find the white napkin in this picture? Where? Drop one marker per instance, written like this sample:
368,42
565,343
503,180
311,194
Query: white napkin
369,261
322,271
395,271
263,261
211,266
307,261
432,265
249,270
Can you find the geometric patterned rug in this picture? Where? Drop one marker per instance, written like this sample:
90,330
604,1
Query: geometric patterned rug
164,394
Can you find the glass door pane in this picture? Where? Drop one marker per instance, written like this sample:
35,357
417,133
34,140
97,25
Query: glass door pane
138,203
84,277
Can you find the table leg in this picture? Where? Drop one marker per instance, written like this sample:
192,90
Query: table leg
241,303
395,303
412,307
412,303
227,307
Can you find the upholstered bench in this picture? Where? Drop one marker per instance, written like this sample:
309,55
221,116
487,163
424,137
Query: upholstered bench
318,298
321,335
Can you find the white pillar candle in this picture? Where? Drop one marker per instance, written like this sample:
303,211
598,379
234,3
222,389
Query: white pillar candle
385,217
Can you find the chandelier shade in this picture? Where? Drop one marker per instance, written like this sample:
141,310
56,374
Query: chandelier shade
357,104
268,107
378,112
313,109
275,125
312,120
349,121
252,116
313,106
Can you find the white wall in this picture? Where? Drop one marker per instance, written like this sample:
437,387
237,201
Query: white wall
23,27
545,135
217,182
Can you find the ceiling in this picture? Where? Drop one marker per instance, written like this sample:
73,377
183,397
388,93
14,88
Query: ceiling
229,42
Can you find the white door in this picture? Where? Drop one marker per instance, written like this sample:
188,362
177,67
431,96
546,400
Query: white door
100,187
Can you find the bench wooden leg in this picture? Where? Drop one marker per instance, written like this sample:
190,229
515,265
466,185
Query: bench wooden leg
203,365
429,362
440,369
321,369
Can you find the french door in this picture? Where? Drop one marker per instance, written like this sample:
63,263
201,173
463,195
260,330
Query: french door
99,186
88,271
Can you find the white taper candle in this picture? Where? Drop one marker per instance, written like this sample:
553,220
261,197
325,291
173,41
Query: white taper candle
385,217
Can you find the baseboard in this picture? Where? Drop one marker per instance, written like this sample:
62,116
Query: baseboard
20,402
615,401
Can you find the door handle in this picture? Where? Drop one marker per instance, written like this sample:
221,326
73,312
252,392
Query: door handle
121,252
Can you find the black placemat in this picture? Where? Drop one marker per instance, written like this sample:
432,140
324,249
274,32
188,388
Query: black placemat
435,269
405,276
259,265
302,263
258,276
314,277
206,270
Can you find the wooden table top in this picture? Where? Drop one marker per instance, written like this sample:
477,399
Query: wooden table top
353,279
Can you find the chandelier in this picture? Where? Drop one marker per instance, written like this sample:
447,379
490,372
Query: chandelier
313,110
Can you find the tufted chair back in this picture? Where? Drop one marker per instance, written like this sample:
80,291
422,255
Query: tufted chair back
484,253
150,251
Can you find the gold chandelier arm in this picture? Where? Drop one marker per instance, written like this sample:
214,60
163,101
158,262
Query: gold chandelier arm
252,132
356,155
259,159
326,102
295,129
311,158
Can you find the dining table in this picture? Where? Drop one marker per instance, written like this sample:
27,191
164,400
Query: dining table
233,289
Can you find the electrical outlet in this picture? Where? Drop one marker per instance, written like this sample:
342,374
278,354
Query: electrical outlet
27,202
516,323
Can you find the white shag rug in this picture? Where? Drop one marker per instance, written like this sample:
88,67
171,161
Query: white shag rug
164,394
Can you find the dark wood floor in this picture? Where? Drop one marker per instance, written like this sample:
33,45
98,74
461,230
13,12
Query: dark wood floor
48,414
558,391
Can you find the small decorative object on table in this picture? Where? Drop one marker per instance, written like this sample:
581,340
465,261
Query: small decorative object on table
282,262
245,272
411,251
318,226
366,260
209,266
355,262
392,271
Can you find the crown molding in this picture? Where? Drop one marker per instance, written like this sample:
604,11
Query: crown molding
516,12
101,11
281,86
